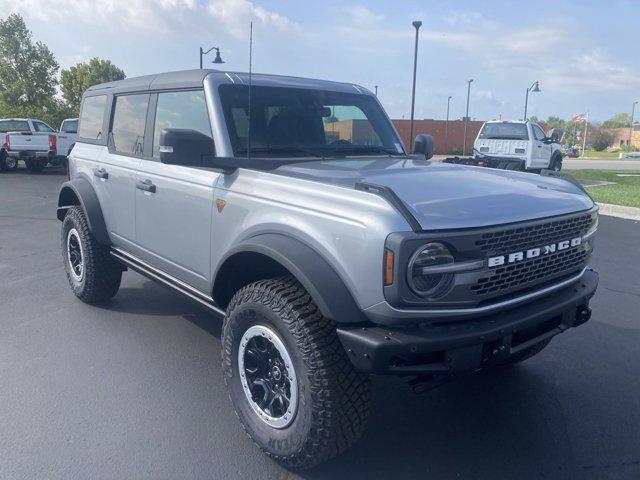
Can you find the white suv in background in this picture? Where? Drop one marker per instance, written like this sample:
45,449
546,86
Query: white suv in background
517,145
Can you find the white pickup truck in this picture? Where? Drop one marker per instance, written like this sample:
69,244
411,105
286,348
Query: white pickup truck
26,139
67,136
514,145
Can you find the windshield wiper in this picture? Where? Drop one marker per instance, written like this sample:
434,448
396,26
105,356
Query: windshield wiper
366,149
281,149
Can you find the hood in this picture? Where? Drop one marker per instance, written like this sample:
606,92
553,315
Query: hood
446,196
500,147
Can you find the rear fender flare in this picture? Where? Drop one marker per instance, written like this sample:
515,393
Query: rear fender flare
80,192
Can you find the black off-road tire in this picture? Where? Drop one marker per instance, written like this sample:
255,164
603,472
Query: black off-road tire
35,165
556,163
6,162
333,399
101,275
527,353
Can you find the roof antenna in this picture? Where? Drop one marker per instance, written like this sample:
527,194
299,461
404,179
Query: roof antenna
250,59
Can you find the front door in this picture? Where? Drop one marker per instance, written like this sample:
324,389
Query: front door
541,149
173,203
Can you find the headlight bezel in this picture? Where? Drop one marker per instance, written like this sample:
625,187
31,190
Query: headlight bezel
442,279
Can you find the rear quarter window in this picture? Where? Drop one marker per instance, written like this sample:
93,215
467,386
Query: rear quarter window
14,126
92,117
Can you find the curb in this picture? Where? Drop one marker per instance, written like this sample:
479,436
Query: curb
630,213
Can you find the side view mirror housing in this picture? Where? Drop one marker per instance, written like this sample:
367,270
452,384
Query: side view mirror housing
424,144
181,146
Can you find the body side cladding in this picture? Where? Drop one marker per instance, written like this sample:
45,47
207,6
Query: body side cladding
80,192
287,255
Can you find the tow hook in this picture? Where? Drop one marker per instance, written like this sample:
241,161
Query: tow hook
583,314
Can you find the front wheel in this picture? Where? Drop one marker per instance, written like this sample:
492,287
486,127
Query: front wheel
289,379
556,164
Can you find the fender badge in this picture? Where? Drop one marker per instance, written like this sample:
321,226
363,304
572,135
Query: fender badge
220,204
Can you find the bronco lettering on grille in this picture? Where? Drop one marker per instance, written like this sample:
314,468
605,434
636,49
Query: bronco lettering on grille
533,252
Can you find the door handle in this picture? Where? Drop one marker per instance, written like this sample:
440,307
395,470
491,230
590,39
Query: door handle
101,173
539,146
146,186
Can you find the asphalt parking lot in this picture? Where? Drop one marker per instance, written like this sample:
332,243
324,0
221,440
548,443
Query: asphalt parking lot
133,389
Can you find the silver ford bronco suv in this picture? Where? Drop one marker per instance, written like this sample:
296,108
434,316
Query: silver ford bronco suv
291,208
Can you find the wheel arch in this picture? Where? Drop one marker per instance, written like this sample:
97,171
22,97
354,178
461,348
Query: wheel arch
269,255
80,192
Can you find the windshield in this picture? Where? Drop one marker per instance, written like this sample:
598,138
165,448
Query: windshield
290,122
505,131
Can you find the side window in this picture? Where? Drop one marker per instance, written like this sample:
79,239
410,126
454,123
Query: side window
42,127
538,133
180,110
91,117
127,128
69,126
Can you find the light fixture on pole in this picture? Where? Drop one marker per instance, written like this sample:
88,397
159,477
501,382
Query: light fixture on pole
535,87
218,59
466,119
417,24
633,111
446,127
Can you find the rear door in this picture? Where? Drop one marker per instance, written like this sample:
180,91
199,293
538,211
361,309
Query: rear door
115,174
173,203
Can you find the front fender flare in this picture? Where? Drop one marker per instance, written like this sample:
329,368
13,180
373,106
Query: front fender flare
79,191
313,272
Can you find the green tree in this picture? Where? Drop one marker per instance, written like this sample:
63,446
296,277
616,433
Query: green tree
75,80
27,71
601,138
618,121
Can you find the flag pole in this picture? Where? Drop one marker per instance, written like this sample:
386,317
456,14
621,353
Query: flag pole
584,139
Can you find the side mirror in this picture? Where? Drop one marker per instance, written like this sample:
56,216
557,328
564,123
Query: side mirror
424,144
181,146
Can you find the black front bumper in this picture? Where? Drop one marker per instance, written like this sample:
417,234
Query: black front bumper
451,347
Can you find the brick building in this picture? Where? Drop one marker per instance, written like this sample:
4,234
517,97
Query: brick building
436,128
621,136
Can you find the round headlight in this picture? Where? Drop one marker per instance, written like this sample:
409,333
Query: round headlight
428,284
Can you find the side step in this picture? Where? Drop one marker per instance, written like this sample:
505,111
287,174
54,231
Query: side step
143,268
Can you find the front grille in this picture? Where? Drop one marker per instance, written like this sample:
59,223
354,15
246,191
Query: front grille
522,238
531,271
523,274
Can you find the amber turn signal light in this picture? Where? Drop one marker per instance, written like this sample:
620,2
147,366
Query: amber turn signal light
388,267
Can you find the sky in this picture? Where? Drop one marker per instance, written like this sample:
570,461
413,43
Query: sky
584,53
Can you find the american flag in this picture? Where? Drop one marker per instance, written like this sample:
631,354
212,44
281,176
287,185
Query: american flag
579,117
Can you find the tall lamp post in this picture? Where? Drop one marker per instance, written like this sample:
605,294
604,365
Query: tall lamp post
215,60
376,87
466,119
633,111
535,87
446,127
417,24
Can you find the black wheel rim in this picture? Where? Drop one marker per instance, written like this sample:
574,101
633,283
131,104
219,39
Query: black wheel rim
267,376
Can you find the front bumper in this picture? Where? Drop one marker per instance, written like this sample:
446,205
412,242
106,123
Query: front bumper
451,347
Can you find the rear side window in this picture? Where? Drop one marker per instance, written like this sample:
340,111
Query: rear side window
42,127
14,126
180,110
69,126
129,119
504,131
91,117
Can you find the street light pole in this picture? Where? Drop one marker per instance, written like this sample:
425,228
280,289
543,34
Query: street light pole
218,59
633,111
376,87
446,127
533,88
417,24
466,119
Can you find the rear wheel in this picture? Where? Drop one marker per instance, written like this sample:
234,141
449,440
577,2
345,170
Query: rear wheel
293,388
7,162
35,165
92,273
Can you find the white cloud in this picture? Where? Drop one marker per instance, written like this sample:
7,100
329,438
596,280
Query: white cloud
231,16
361,15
